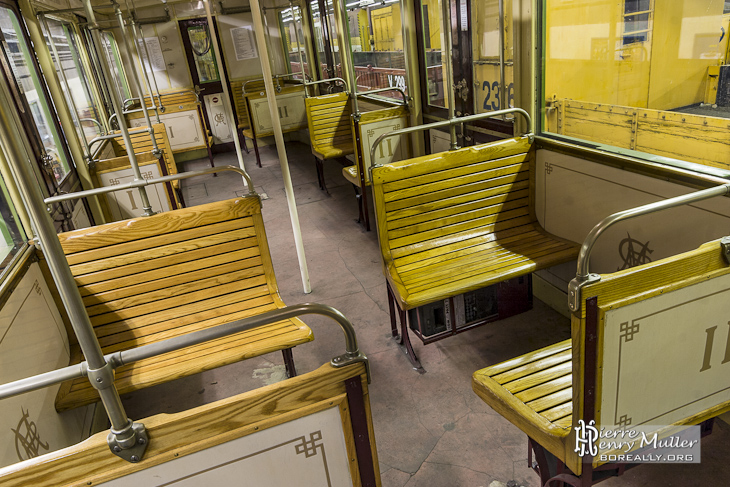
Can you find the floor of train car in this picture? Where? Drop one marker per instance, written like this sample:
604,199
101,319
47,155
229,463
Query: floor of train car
431,430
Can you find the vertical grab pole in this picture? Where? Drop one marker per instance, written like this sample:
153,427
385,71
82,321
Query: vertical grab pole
224,83
503,88
137,82
343,33
448,77
152,74
145,84
94,29
125,434
299,45
279,137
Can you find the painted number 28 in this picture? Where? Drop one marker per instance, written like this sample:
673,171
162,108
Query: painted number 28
707,360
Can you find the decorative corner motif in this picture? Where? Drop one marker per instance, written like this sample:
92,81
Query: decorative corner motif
27,438
633,252
624,421
309,448
628,331
548,168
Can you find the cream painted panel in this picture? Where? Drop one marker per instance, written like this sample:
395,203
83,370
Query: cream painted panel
440,141
309,451
126,203
33,341
220,126
174,53
572,195
183,129
79,218
666,358
292,113
249,67
391,149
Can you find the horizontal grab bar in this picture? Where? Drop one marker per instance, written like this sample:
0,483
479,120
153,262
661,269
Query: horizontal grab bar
137,183
448,123
117,359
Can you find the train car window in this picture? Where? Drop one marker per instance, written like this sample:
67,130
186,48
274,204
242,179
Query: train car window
636,20
12,237
78,89
646,76
377,46
325,38
18,56
115,63
290,21
493,55
205,64
433,52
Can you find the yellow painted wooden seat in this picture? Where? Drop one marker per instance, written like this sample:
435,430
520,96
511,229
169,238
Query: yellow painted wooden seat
141,142
330,131
638,358
533,391
458,221
351,174
147,279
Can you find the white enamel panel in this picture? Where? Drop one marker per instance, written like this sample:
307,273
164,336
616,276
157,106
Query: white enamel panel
292,113
309,451
127,203
33,341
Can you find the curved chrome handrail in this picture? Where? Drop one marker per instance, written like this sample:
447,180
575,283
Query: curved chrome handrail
448,123
406,98
329,80
583,275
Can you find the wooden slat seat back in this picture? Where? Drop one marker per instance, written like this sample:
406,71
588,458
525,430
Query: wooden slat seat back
173,100
457,221
239,104
233,436
147,279
639,352
328,118
143,143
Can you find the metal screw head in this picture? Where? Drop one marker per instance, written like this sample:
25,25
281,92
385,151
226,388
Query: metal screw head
134,458
99,379
117,449
141,441
337,359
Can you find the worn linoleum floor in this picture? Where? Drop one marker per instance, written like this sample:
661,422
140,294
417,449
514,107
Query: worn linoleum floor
431,430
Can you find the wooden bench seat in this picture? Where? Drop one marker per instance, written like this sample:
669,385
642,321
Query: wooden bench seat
459,221
149,279
638,360
330,131
534,390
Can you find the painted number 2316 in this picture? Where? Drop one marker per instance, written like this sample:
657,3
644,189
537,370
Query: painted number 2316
492,95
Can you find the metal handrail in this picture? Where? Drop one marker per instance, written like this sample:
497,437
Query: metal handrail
102,130
329,80
449,123
380,90
117,359
583,275
276,77
146,182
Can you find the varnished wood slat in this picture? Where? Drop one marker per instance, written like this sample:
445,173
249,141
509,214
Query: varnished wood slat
552,400
175,273
131,283
493,259
140,316
169,221
455,196
455,177
160,291
532,367
543,389
480,248
430,220
538,376
135,244
527,358
205,426
560,414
